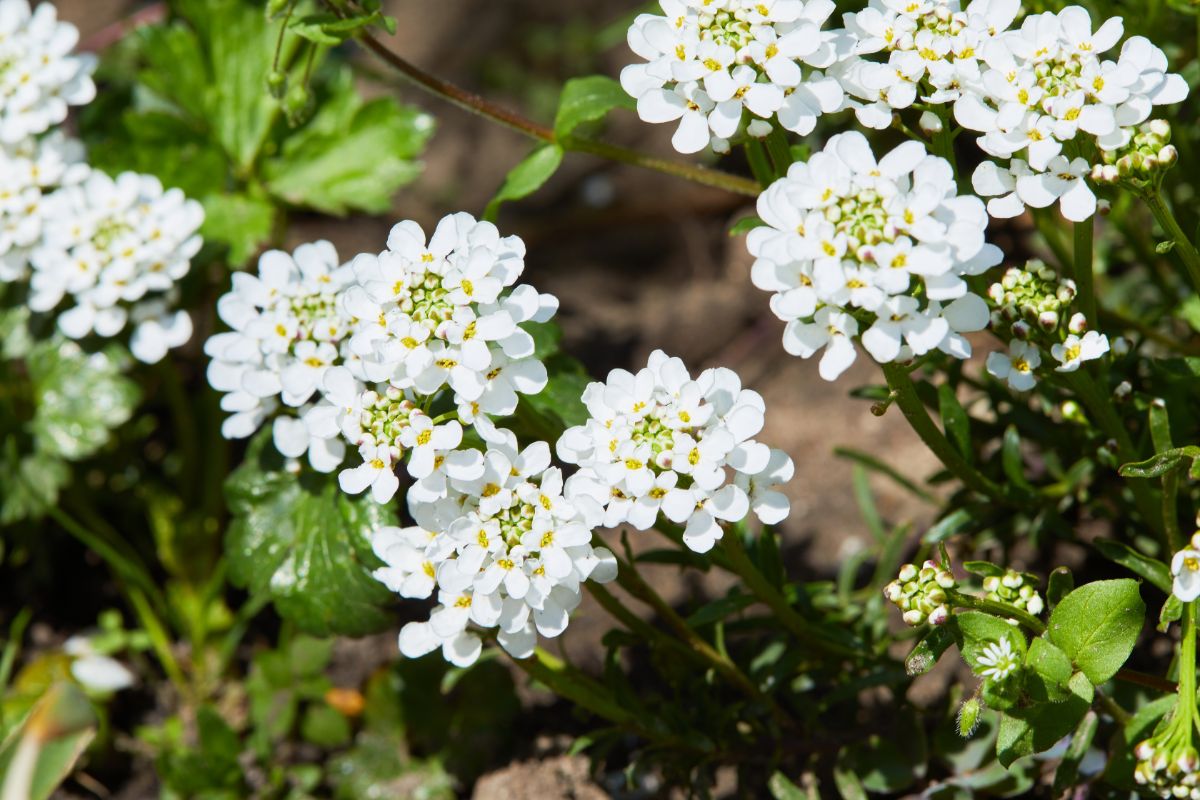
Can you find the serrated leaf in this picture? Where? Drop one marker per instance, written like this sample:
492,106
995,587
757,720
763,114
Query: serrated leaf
350,156
303,542
1151,569
80,398
1026,731
526,178
586,100
1049,671
1097,626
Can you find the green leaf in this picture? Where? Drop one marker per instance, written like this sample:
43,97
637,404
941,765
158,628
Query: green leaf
1151,569
1171,611
526,178
1159,464
1097,626
324,727
955,421
239,220
1049,672
927,651
60,727
32,483
350,156
950,525
745,225
984,569
586,100
80,398
1026,731
1060,584
300,540
1010,457
562,399
781,788
1068,769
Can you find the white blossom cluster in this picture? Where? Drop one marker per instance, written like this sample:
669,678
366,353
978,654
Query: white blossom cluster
39,77
933,48
103,253
713,64
851,243
505,551
1046,94
288,328
659,441
1169,767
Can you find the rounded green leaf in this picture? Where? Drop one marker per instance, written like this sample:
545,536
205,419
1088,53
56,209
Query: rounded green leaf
1097,626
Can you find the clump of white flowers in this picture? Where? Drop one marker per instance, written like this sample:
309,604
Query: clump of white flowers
849,238
39,77
934,51
1015,588
715,67
1046,93
1032,308
659,441
31,170
920,593
504,552
112,249
1168,769
288,329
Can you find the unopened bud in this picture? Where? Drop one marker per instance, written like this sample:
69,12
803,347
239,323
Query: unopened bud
907,573
1123,390
1073,412
297,103
759,128
1168,156
1103,207
913,617
1160,128
930,123
277,83
1021,330
968,717
1048,321
1120,346
1077,323
939,615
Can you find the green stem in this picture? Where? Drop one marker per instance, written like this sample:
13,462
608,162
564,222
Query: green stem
633,583
1187,660
997,608
913,409
1183,245
760,163
636,624
1084,281
766,592
1102,410
475,104
780,150
159,640
16,632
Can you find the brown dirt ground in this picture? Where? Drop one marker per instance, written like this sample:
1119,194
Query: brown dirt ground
640,261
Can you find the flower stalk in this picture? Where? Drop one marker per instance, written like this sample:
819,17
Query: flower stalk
1154,200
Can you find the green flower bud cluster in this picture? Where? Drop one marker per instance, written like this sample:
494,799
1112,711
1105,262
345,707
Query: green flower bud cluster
385,416
921,593
1148,155
1030,300
1017,589
1167,767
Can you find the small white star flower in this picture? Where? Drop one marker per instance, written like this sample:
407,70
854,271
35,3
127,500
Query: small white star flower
999,660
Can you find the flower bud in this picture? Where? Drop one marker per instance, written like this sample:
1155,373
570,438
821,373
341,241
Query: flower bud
968,717
1123,390
913,617
1048,321
1021,330
1077,323
939,615
276,83
1073,412
1120,346
1160,128
930,123
1104,207
1168,156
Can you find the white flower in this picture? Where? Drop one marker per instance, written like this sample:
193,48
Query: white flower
29,171
109,246
660,441
94,670
39,78
1046,85
722,66
999,660
846,233
1075,350
1017,366
377,472
1185,568
505,550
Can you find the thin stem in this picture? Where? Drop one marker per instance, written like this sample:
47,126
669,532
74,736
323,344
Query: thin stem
159,640
121,564
914,411
476,104
1183,245
997,608
636,624
762,588
1114,710
760,163
780,150
1101,408
1187,657
633,583
1084,280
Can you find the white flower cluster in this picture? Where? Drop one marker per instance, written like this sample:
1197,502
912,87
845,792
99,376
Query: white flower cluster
288,329
849,239
39,78
660,441
933,52
1046,87
709,62
104,253
362,350
116,248
1169,766
505,551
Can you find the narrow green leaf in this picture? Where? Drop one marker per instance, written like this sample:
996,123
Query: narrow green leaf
1097,626
927,651
783,789
1171,611
865,499
1155,466
984,569
874,464
949,526
1151,569
1010,457
526,178
955,421
586,100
